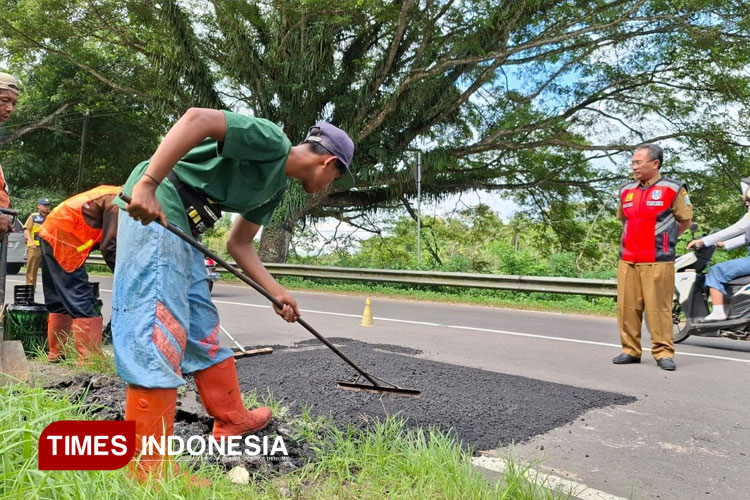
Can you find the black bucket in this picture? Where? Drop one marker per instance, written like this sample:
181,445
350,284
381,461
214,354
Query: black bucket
27,323
23,294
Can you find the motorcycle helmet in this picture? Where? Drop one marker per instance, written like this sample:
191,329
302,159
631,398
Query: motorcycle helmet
744,186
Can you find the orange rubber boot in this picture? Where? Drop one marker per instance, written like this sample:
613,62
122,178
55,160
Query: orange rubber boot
153,411
58,331
88,336
220,393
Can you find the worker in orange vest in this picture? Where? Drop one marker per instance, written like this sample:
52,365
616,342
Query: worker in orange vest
85,222
9,93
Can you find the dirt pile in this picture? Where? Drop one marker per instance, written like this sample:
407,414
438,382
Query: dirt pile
104,397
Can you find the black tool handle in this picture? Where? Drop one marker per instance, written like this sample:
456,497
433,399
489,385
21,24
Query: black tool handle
243,277
9,211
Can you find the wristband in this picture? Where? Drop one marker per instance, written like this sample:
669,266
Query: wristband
152,178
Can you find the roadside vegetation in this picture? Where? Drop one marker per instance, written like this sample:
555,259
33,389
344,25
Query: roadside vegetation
553,302
472,240
376,461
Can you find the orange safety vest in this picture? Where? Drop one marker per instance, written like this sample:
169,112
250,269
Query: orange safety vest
4,195
67,232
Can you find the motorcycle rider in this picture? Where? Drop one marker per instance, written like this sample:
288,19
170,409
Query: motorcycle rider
719,275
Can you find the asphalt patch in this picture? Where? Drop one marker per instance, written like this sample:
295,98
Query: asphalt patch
482,409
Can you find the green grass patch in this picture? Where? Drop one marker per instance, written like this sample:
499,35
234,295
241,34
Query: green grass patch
253,400
380,460
99,269
387,460
103,363
25,412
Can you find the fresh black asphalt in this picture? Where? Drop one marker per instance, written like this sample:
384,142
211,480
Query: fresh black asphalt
482,409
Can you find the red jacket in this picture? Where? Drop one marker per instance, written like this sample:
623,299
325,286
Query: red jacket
650,232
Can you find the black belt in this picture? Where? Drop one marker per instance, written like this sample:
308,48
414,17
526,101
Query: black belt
202,212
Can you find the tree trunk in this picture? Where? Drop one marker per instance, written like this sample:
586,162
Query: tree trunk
274,242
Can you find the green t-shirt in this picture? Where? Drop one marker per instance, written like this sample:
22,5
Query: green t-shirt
244,174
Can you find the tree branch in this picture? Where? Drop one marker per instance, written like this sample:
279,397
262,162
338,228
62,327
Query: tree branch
41,124
78,64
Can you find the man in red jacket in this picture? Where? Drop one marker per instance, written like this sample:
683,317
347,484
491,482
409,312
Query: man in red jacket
655,211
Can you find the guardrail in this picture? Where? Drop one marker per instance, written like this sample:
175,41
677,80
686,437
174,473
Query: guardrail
574,286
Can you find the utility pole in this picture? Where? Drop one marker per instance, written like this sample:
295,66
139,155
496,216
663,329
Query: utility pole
419,210
83,143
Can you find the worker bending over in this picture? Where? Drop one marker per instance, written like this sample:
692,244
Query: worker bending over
78,225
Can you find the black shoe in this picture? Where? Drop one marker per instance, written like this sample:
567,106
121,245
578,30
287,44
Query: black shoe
625,359
666,364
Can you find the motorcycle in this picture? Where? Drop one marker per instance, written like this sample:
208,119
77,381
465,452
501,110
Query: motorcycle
691,301
213,276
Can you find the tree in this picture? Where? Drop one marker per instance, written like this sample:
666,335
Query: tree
518,98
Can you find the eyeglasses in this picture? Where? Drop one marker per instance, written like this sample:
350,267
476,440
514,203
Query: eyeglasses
638,163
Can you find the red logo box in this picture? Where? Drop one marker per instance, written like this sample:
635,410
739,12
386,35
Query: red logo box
87,445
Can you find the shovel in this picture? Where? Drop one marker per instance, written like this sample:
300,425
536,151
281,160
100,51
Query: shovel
13,364
379,386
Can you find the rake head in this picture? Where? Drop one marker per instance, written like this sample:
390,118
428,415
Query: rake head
388,389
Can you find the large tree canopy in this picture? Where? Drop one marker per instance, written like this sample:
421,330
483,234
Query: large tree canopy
517,97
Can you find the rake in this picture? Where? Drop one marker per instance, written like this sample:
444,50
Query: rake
379,386
245,351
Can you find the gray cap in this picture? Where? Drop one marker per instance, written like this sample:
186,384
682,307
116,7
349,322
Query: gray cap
338,143
7,82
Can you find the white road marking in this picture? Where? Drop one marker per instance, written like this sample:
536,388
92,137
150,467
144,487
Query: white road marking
470,328
589,342
579,490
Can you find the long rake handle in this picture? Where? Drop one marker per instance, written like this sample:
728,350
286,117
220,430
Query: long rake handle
208,253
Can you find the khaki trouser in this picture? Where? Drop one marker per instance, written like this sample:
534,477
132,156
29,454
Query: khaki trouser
33,259
645,287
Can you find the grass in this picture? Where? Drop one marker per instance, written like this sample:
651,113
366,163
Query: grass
103,364
253,400
24,412
380,460
99,269
387,460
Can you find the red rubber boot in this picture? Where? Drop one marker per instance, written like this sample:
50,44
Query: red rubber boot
58,331
88,336
220,393
153,411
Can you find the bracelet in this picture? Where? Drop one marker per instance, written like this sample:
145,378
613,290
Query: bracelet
152,178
